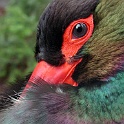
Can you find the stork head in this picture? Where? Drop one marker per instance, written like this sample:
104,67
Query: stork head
63,29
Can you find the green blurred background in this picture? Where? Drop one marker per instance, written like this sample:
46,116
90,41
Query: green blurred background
18,25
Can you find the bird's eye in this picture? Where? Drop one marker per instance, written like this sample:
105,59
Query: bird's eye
79,30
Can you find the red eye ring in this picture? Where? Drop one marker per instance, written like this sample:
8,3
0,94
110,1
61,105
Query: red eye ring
72,44
88,22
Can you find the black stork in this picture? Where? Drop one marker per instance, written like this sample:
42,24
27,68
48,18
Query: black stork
79,77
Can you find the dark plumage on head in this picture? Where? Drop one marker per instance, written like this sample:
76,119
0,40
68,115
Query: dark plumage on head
53,22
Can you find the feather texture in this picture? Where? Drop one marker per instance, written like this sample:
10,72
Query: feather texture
99,98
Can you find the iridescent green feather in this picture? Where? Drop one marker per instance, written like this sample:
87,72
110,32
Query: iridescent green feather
105,103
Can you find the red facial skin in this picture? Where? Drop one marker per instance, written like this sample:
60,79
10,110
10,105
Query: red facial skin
62,74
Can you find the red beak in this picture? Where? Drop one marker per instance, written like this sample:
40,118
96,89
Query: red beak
53,74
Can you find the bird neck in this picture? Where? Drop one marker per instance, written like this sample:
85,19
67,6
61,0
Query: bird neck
104,103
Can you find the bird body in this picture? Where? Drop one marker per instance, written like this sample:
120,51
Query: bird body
50,104
98,97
